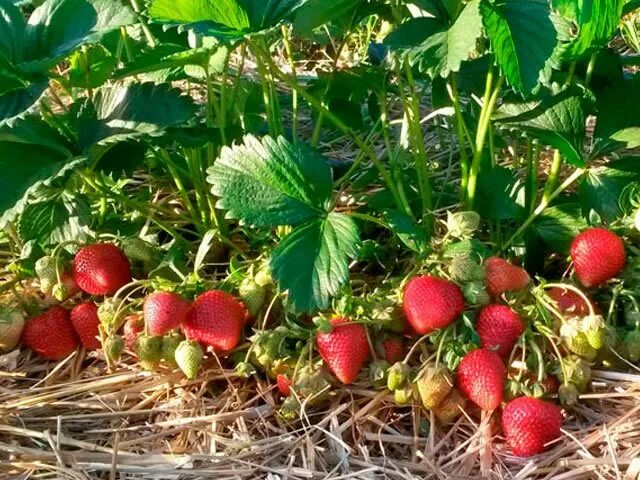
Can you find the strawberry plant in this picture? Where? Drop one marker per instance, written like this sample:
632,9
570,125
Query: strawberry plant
418,214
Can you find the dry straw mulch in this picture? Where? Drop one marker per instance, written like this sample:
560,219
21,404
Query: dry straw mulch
75,420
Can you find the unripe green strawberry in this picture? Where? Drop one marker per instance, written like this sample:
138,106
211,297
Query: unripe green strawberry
568,394
263,277
596,337
46,271
433,386
398,376
632,317
466,268
632,344
188,356
311,385
451,407
290,408
11,325
462,224
149,351
59,291
403,396
636,221
475,293
578,343
252,295
113,347
578,372
107,313
170,343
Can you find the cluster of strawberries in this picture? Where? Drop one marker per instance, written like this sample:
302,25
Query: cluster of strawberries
432,304
173,329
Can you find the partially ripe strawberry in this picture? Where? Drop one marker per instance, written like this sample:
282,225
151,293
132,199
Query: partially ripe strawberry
216,319
11,325
431,303
101,269
568,301
133,327
344,349
598,255
481,376
529,424
394,350
84,318
164,311
50,334
284,384
503,276
499,328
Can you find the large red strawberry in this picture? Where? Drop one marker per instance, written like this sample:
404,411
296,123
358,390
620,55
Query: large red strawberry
431,303
529,424
164,311
503,276
216,320
598,255
344,349
499,328
84,318
481,376
568,301
394,350
50,334
101,269
133,327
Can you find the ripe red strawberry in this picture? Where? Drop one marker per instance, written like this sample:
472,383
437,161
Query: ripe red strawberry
431,303
284,384
50,334
529,424
216,319
101,269
164,311
133,327
503,276
499,328
481,376
84,318
568,301
550,384
344,349
394,350
598,255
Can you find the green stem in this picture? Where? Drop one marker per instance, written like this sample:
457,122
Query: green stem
590,68
421,160
294,75
464,159
533,156
143,24
554,175
87,71
222,123
163,155
543,204
266,93
488,105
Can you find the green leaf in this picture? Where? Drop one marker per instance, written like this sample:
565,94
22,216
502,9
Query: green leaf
91,70
618,124
602,188
57,27
130,111
407,230
53,222
523,38
597,23
436,47
271,182
557,120
20,101
315,13
500,194
225,19
12,27
31,154
559,225
312,262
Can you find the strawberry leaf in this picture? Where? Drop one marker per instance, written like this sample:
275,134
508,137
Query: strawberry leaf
271,182
523,38
312,262
559,225
597,22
